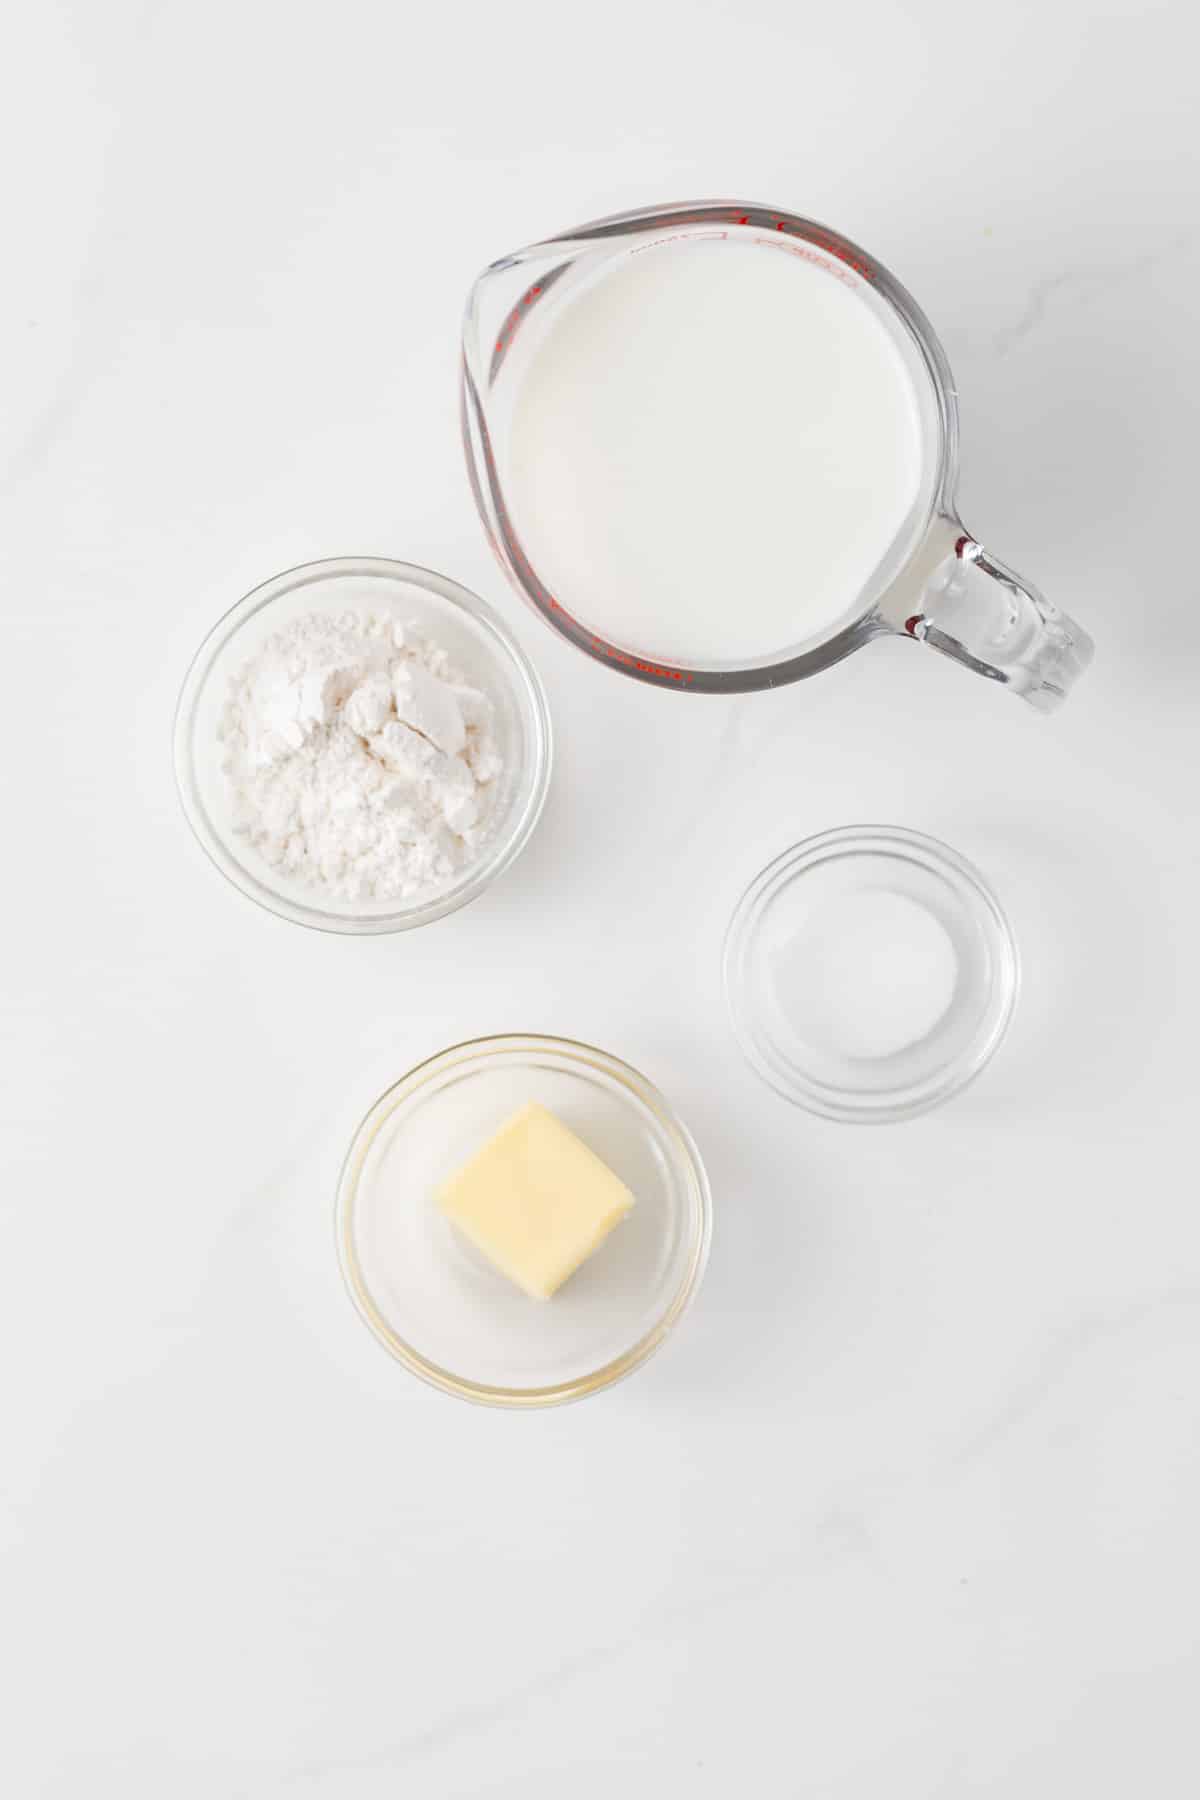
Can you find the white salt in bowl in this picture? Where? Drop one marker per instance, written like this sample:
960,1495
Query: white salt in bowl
476,639
870,973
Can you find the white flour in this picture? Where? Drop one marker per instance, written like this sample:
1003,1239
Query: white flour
359,759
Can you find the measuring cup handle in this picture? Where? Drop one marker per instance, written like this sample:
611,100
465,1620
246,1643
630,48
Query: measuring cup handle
979,611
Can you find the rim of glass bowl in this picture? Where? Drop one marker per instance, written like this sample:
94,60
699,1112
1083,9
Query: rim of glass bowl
461,1056
527,685
930,854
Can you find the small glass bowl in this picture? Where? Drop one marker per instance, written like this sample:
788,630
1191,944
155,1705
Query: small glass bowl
439,1306
779,1022
477,640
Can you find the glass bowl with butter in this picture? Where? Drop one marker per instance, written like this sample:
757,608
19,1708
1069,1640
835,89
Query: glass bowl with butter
522,1220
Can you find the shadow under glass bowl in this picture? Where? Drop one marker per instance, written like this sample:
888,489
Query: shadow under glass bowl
451,616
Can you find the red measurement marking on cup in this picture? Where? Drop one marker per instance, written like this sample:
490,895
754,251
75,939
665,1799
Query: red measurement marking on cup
508,330
659,670
566,621
511,551
571,625
696,234
805,240
799,231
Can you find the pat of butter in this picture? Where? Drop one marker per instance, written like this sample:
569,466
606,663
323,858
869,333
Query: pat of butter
536,1201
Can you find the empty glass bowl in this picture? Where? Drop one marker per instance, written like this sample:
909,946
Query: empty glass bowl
439,1306
479,643
870,973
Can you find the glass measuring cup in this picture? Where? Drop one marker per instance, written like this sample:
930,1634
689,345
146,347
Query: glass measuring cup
936,584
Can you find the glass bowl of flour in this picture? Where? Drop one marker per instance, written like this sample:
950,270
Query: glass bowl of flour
362,746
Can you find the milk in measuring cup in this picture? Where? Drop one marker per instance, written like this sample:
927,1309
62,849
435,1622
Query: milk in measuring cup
714,446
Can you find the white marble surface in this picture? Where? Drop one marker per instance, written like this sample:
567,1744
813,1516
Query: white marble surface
909,1508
